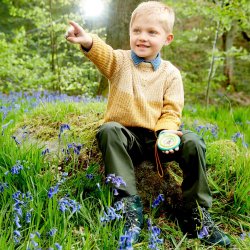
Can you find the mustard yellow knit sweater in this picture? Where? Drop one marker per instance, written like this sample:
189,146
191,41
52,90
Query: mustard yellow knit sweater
138,95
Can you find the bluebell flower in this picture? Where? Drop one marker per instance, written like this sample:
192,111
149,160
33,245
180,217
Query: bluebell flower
76,148
53,190
119,205
17,221
52,232
34,243
90,176
28,217
115,192
66,204
154,239
203,233
110,215
158,200
16,140
32,235
16,168
125,242
38,234
3,186
63,127
58,246
117,181
17,233
45,151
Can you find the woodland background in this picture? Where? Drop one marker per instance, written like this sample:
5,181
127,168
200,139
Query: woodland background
211,47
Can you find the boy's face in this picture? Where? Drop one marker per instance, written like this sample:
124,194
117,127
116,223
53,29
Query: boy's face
147,37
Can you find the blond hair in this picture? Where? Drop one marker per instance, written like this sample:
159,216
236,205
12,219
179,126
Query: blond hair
164,13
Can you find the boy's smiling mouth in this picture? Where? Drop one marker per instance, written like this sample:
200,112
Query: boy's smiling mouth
142,46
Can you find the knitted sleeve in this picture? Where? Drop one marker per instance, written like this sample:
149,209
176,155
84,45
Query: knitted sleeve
106,59
173,102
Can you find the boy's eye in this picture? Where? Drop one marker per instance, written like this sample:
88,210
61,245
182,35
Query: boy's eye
152,32
136,31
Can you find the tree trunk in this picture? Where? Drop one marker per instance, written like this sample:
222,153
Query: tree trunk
227,44
118,30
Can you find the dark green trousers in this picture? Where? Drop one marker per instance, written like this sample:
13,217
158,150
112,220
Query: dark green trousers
122,148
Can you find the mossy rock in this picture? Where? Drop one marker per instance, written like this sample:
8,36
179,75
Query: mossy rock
150,184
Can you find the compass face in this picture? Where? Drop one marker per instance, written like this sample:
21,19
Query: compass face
168,141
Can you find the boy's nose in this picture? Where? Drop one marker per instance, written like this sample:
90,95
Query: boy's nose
142,37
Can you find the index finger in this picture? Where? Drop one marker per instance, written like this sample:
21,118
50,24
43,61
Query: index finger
75,25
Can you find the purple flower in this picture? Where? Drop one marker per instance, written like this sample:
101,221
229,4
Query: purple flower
237,136
52,232
158,200
63,127
66,204
115,192
154,239
110,215
45,151
90,176
117,181
203,233
58,246
16,168
53,190
76,148
3,186
16,140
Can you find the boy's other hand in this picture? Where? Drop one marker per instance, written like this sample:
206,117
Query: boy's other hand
76,34
179,133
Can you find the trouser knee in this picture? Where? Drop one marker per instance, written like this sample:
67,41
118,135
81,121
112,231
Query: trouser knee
193,147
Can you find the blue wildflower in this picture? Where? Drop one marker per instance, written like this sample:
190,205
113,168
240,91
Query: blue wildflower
58,246
237,136
203,233
53,190
63,127
119,205
117,181
90,176
16,140
158,200
110,215
115,192
76,148
34,243
66,204
3,186
154,239
52,232
16,168
45,151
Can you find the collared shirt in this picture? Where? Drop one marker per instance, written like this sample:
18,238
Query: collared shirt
155,62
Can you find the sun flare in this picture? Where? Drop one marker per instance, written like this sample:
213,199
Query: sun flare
92,8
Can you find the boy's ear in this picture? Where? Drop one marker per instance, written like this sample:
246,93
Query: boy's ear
169,39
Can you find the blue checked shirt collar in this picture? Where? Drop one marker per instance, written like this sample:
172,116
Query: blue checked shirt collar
155,62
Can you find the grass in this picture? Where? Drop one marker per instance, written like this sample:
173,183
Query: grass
35,122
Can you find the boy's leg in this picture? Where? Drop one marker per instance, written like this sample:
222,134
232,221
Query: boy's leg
119,146
196,193
192,161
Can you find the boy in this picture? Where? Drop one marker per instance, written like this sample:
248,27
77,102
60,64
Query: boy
146,98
